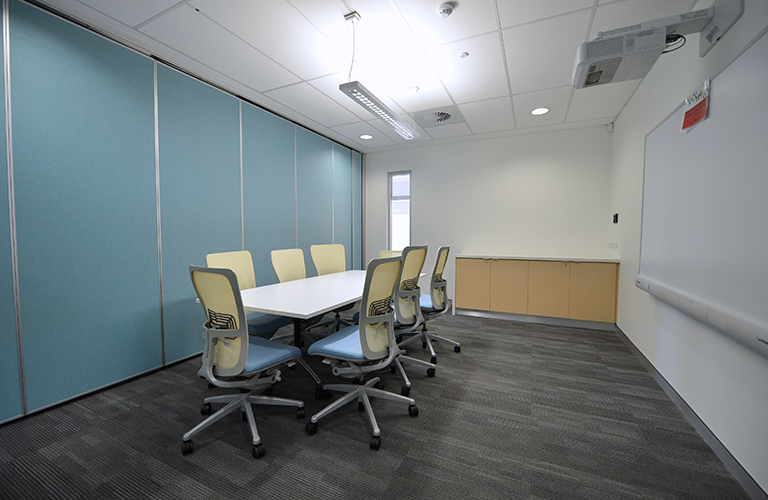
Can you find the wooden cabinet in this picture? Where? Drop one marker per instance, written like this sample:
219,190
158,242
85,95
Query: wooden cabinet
473,283
548,285
593,291
559,289
509,286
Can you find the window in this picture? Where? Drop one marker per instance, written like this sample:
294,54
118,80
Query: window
399,210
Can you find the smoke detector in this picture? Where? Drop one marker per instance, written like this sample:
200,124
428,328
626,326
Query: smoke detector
446,9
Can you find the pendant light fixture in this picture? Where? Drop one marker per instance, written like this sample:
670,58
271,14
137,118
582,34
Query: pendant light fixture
365,98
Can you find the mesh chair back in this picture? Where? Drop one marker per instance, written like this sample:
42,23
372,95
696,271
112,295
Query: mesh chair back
328,259
389,253
438,288
407,294
226,331
240,262
289,264
376,313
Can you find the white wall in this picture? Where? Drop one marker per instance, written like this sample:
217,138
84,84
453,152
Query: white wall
723,382
543,194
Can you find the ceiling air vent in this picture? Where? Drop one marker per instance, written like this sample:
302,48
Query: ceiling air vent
444,115
437,117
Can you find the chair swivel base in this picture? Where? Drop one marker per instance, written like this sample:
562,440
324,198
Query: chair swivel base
362,394
426,343
243,402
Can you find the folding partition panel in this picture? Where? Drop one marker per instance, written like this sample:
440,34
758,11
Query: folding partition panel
199,137
10,390
269,188
84,168
314,167
342,200
357,210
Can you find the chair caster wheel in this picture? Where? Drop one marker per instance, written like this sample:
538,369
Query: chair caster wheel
431,372
301,413
360,406
321,393
187,447
413,410
379,385
457,348
207,409
258,450
433,360
375,442
405,391
398,339
392,369
423,345
311,428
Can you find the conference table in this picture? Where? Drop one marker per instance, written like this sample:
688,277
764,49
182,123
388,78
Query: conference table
306,298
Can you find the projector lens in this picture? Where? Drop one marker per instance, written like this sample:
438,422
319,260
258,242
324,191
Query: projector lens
593,78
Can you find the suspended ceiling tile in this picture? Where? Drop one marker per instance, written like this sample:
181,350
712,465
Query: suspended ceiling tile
603,101
310,102
541,55
555,99
469,18
131,13
199,38
479,75
515,12
492,115
353,131
279,31
447,131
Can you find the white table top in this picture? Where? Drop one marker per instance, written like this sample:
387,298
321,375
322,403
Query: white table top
307,298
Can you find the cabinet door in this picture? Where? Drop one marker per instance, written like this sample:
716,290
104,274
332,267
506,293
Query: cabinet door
548,288
593,291
509,286
473,277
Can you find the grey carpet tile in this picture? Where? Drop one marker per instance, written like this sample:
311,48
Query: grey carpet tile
525,411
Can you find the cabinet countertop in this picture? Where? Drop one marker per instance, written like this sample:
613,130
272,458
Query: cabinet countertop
549,258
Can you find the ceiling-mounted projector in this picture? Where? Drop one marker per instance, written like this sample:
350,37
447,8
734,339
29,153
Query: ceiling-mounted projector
629,53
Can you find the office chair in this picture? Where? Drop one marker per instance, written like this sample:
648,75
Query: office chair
329,259
232,360
434,304
408,311
259,324
357,351
289,266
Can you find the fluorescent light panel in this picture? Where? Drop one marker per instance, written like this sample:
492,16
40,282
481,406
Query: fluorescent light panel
366,99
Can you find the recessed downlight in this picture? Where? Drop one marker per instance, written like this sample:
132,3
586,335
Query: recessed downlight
540,111
366,137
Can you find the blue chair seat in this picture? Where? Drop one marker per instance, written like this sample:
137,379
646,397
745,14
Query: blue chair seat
262,324
344,344
426,302
263,353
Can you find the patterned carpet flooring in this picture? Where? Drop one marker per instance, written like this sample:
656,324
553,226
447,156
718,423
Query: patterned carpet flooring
524,411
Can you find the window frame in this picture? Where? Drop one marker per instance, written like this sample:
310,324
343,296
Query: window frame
391,198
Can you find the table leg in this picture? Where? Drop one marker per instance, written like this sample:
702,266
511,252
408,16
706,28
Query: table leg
297,340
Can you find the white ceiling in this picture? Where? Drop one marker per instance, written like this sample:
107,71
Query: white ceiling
290,56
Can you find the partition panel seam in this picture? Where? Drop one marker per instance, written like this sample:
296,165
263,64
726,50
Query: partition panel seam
159,219
12,205
296,185
242,196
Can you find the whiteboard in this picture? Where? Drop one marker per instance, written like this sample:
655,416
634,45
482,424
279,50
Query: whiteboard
704,240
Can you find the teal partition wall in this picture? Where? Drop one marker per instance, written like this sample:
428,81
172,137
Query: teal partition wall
357,210
125,172
83,146
314,192
199,138
10,389
269,188
342,200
